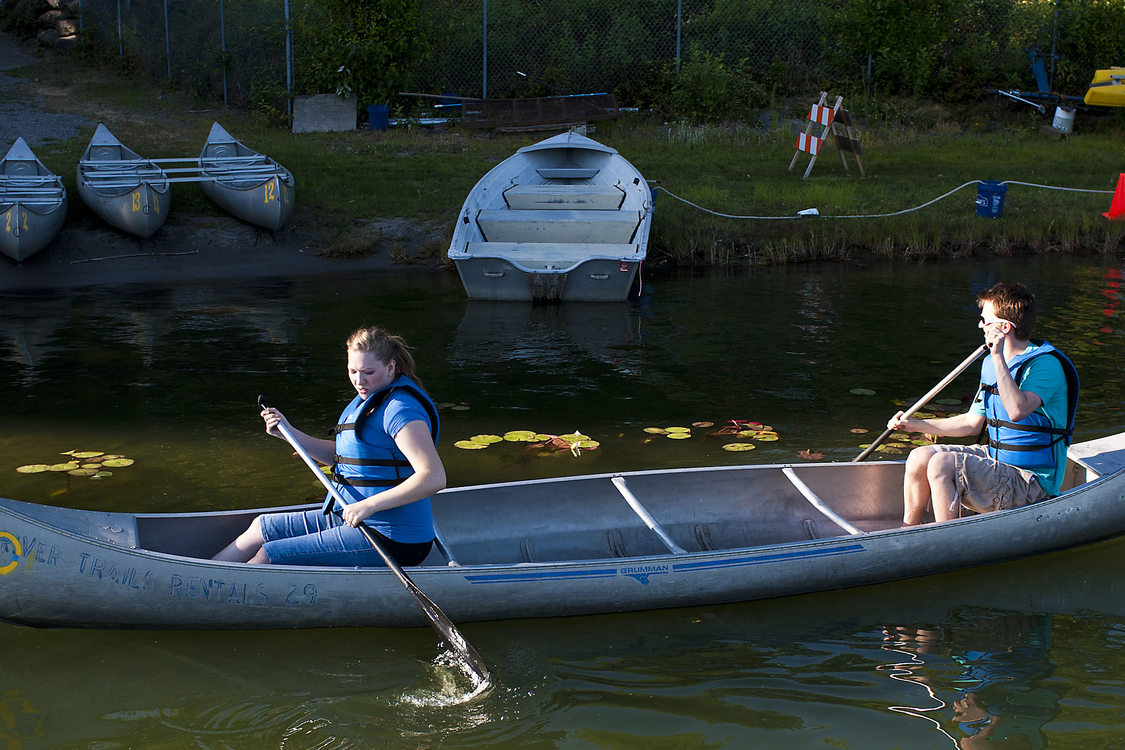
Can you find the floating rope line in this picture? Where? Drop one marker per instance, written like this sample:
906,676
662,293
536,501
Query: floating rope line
810,212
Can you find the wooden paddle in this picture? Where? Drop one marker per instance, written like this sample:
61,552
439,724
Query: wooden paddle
438,619
926,399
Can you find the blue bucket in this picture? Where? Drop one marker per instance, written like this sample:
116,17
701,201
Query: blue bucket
377,116
990,198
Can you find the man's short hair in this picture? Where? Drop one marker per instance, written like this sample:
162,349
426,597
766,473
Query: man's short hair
1014,303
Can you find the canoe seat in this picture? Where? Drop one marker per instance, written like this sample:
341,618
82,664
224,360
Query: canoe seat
562,197
567,225
551,255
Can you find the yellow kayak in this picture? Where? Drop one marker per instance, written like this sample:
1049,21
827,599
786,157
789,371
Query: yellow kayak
1107,89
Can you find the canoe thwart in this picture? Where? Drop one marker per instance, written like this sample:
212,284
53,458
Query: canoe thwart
817,503
644,515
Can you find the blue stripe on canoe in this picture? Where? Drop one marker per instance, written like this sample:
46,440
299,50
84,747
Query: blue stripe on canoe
559,575
565,575
737,562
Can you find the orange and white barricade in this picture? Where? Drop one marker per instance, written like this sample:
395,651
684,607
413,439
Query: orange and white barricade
832,120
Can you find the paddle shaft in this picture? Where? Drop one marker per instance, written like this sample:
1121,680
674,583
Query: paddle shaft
438,619
925,399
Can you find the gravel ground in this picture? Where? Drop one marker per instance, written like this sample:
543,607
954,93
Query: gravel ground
19,117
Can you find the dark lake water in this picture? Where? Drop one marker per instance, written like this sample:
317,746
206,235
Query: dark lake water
1028,654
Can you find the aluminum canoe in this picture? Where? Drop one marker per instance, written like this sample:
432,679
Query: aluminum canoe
563,219
546,548
32,203
244,183
126,190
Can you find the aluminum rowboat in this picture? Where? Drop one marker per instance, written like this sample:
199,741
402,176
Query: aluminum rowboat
126,190
245,183
546,548
563,219
32,203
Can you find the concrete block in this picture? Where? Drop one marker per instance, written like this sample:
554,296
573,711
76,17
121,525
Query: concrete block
320,113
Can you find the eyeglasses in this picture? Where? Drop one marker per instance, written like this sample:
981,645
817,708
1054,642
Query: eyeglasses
986,323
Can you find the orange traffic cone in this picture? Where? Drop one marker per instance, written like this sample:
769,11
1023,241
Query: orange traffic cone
1117,206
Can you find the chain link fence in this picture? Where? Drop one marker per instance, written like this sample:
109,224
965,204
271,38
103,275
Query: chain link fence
244,51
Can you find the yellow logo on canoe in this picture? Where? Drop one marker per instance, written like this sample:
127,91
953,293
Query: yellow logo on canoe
17,553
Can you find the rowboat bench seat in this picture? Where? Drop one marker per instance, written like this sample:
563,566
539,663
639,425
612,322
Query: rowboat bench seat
561,197
568,225
567,173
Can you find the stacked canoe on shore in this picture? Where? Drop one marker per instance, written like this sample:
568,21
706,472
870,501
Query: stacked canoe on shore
132,192
32,203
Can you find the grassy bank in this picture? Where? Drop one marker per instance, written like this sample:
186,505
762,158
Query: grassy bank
914,153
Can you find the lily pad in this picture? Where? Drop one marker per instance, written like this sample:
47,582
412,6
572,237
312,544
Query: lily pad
118,463
32,468
656,430
702,425
486,439
678,435
862,392
82,472
738,447
102,475
860,430
574,437
586,445
767,437
470,445
677,429
63,467
520,436
84,454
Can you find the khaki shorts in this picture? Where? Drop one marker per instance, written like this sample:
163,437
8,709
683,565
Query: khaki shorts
982,483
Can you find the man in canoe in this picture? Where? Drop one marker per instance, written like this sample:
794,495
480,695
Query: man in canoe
384,463
1026,402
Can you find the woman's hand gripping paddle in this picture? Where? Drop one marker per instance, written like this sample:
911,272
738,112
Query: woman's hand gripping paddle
438,619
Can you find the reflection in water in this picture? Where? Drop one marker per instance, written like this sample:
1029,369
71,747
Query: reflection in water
546,338
984,678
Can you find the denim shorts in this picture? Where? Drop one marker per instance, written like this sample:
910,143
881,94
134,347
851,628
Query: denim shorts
984,484
312,538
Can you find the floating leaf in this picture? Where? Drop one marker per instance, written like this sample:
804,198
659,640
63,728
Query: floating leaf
656,430
486,439
678,435
63,467
91,466
587,445
32,468
862,392
677,429
82,472
737,447
767,437
810,455
459,407
520,436
118,463
102,475
574,437
702,425
860,430
84,454
470,445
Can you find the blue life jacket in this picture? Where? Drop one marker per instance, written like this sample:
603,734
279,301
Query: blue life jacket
1028,443
368,465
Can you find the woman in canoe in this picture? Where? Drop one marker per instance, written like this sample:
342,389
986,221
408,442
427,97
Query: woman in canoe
384,464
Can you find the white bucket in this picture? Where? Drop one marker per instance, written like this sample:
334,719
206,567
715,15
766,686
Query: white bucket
1064,119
